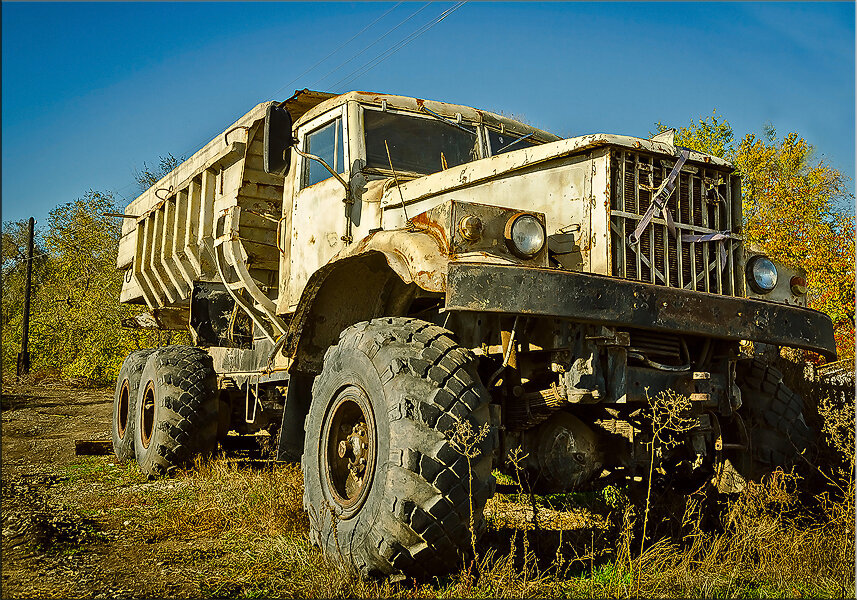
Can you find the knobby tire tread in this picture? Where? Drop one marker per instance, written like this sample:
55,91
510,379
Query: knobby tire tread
189,410
433,533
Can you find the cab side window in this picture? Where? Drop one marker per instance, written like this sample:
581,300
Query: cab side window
325,142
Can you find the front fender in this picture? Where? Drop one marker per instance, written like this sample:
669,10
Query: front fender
415,256
374,277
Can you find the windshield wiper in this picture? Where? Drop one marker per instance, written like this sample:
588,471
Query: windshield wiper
513,142
447,121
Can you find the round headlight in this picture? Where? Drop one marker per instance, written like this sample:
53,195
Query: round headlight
525,235
762,274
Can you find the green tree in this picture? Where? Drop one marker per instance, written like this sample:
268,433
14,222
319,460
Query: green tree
75,321
75,314
81,324
149,176
712,135
14,258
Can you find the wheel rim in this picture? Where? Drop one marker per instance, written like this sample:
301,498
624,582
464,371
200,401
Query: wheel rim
122,417
348,450
147,414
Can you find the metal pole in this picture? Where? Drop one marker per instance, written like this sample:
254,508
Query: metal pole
24,355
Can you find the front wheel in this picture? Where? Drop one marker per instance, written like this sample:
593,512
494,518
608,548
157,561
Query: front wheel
773,423
385,488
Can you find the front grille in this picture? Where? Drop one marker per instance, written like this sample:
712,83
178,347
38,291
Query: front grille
705,200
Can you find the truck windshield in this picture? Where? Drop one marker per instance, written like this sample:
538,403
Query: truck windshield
417,144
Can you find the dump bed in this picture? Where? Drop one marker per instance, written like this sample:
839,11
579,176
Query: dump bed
214,218
170,243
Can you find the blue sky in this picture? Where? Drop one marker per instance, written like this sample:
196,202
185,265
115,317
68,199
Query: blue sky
92,90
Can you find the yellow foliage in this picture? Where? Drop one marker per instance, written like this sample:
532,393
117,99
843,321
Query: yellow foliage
794,210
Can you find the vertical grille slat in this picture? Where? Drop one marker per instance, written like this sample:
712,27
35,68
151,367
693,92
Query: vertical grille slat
729,245
702,202
638,272
703,211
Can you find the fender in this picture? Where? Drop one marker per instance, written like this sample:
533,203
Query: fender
377,276
416,256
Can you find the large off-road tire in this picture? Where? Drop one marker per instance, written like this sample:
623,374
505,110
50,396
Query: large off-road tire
177,409
775,425
125,403
385,489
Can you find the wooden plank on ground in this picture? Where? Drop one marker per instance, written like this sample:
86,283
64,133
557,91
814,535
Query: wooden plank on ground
93,447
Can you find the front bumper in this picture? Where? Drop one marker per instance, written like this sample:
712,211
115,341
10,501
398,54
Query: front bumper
624,303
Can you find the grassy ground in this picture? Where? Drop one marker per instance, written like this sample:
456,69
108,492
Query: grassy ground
247,528
230,529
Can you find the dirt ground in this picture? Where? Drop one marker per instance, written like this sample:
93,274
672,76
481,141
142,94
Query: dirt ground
52,546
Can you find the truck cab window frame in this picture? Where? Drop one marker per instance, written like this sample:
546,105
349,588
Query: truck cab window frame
508,141
327,138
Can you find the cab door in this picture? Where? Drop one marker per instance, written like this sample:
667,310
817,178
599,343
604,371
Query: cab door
318,220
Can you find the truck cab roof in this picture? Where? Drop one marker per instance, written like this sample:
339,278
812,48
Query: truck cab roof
306,105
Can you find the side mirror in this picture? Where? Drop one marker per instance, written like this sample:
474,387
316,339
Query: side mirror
277,140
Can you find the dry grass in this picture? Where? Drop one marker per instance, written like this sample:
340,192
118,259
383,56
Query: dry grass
768,546
222,498
772,540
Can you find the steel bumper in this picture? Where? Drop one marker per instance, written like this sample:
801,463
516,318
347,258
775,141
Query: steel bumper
620,302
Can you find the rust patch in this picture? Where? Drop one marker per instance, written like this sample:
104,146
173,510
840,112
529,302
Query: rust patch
420,102
424,222
364,243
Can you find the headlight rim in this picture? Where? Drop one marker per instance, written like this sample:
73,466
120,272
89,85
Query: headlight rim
510,243
751,277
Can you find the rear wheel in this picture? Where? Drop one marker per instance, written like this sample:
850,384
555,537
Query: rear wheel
385,489
177,409
125,403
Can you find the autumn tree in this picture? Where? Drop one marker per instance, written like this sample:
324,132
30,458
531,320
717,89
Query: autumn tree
796,209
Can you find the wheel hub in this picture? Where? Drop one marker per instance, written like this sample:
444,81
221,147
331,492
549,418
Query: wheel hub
349,449
122,417
147,415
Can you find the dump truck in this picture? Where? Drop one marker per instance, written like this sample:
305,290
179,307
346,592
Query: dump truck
410,296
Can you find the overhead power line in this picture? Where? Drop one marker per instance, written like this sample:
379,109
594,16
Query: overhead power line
338,48
363,69
388,32
338,66
16,261
401,44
